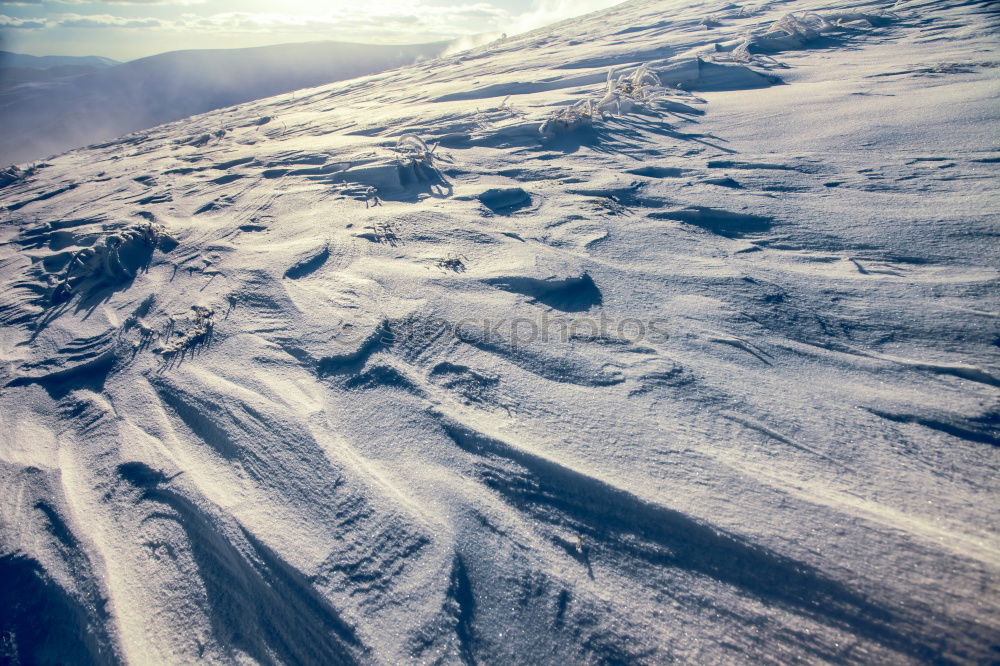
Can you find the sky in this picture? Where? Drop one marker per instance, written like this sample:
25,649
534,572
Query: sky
129,29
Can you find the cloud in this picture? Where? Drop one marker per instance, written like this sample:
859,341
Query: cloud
381,20
104,21
546,12
11,22
105,2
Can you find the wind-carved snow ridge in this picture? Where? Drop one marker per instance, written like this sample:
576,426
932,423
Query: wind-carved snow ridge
665,334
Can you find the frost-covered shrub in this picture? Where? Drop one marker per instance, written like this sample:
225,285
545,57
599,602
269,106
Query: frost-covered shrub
639,84
506,107
416,159
793,31
710,21
504,112
14,173
199,331
806,26
453,262
114,258
413,150
623,94
569,119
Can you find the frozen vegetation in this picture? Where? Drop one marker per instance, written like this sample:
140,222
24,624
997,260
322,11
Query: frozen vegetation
665,334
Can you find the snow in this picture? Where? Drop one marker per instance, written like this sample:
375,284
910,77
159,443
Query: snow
381,372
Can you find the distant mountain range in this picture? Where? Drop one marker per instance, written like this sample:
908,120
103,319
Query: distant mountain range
51,104
20,60
17,68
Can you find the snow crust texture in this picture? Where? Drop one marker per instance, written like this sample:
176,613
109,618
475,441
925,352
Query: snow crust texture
524,355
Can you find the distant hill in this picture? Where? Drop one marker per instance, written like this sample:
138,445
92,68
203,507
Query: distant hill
20,60
17,68
41,118
16,76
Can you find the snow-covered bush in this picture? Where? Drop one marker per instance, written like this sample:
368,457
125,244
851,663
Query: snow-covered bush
627,92
413,150
199,331
14,173
453,262
501,113
623,94
807,26
793,31
114,258
505,106
569,119
416,159
710,21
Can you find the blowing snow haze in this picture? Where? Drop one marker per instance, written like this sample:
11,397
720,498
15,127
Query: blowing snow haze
43,115
51,103
667,334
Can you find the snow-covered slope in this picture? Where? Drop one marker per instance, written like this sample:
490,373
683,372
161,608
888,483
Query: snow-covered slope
43,116
479,361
